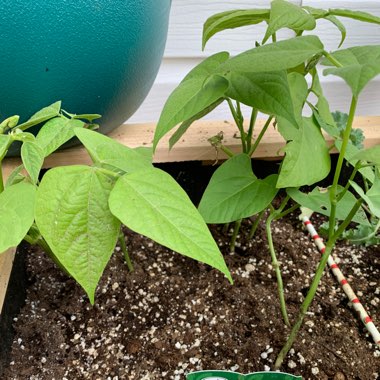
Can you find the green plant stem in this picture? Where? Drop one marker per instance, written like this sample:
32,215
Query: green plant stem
124,249
276,266
226,150
234,235
239,124
352,176
339,165
256,224
260,136
288,211
333,60
225,228
252,123
314,285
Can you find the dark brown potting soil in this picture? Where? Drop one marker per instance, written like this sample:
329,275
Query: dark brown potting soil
173,315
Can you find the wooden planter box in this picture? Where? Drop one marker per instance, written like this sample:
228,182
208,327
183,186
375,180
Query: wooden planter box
194,146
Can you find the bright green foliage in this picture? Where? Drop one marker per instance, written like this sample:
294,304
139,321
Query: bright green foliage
16,176
371,155
190,98
232,19
277,56
287,15
360,64
72,214
267,92
355,15
56,132
318,200
307,159
4,143
42,115
234,192
151,203
17,214
32,157
106,151
340,27
372,197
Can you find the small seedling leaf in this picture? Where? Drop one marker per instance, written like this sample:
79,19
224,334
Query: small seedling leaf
318,200
56,132
151,203
17,214
307,158
32,157
234,192
232,19
73,216
106,151
284,14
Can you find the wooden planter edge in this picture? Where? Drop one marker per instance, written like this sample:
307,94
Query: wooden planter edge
194,146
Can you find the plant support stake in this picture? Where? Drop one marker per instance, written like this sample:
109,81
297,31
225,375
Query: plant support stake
357,305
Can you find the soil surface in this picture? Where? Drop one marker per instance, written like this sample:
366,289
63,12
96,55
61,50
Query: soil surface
173,315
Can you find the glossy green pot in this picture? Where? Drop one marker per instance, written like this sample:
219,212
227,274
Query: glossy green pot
97,56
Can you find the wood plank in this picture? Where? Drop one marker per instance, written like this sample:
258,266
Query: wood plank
6,263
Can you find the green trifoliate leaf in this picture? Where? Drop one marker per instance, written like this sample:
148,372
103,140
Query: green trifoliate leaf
42,115
4,144
232,19
360,64
56,132
307,159
73,216
287,15
356,15
371,155
267,92
17,214
319,201
372,197
282,55
234,192
191,97
33,158
106,151
151,203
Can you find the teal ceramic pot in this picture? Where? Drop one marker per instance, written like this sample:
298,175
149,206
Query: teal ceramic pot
97,56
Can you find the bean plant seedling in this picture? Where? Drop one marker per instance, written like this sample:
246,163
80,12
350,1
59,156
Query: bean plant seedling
282,79
75,212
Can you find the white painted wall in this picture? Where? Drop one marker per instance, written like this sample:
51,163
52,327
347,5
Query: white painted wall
183,49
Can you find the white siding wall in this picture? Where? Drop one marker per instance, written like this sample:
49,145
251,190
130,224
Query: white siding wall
183,49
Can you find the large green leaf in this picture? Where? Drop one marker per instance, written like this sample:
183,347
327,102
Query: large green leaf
17,214
73,216
268,92
4,144
234,192
372,197
151,203
371,155
56,132
356,15
232,19
106,151
287,15
32,157
277,56
42,115
319,201
190,98
307,158
360,64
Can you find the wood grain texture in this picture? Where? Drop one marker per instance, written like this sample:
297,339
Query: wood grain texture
6,263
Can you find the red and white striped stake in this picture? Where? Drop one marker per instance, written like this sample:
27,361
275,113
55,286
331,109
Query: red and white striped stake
365,318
